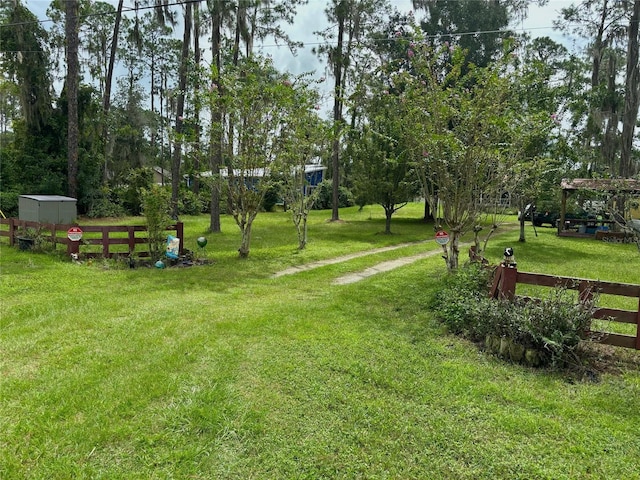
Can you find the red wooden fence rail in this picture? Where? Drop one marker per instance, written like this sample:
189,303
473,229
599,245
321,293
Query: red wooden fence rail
57,234
506,278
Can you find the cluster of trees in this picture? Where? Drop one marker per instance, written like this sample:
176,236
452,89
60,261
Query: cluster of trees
447,104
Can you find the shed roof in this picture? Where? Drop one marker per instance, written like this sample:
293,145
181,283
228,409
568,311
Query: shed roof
50,198
628,185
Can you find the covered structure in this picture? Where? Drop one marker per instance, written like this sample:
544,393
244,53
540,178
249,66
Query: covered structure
569,226
56,209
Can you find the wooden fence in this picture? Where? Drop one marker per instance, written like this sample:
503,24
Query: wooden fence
108,235
506,278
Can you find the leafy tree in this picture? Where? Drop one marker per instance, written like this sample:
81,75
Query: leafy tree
631,94
538,98
300,140
383,170
26,61
9,104
259,103
352,18
157,209
454,23
238,24
461,122
606,26
33,154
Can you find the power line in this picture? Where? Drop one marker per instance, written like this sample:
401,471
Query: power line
124,10
258,8
304,44
378,40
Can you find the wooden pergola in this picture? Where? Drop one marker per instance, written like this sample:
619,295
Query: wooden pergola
613,185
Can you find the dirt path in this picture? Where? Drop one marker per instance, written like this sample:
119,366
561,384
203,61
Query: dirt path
343,258
387,266
378,268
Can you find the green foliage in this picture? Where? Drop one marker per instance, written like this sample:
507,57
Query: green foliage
130,193
458,302
383,172
31,71
446,18
191,204
271,197
9,203
553,326
157,211
324,198
104,203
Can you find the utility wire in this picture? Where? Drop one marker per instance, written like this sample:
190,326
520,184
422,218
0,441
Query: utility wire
377,40
305,44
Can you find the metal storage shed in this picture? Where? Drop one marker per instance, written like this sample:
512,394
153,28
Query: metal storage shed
47,209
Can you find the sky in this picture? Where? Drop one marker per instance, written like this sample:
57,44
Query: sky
311,18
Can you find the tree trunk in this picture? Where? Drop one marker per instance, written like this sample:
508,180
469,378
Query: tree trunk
246,240
196,88
302,244
631,95
595,114
388,212
454,251
337,117
106,99
523,219
610,116
177,150
73,72
216,118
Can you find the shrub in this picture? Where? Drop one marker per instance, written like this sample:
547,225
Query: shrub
157,207
189,203
324,199
130,195
104,203
271,198
556,324
552,326
459,303
9,203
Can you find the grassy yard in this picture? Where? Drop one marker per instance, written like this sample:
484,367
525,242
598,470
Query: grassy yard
221,371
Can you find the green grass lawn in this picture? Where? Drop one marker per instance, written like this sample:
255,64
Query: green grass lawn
221,371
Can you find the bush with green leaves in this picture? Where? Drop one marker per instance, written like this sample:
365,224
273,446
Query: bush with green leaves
189,203
458,303
271,197
324,199
130,194
156,204
553,326
104,202
9,203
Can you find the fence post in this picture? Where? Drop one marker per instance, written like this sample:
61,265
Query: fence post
504,283
132,240
638,326
73,247
12,232
509,282
495,287
105,242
